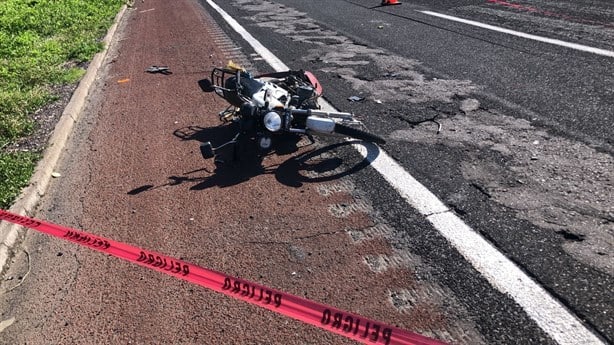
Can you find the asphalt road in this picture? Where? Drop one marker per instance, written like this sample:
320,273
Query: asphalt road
523,156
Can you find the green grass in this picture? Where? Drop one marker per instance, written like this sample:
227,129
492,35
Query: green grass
42,43
15,172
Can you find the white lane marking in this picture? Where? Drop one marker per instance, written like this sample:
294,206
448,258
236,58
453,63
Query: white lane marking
554,318
575,46
416,194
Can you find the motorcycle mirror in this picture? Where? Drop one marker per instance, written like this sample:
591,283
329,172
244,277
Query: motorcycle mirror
206,85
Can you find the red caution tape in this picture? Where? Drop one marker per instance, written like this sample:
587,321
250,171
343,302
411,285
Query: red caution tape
333,320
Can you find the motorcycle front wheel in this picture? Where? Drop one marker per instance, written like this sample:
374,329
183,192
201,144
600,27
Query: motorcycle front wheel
358,134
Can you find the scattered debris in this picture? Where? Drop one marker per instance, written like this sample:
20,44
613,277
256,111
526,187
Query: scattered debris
4,324
56,174
22,279
570,236
469,105
482,189
414,123
355,99
121,81
159,69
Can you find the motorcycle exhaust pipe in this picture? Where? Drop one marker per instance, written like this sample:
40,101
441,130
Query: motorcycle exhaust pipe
325,114
339,115
320,124
322,121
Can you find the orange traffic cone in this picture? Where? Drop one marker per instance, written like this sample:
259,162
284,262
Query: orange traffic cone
390,2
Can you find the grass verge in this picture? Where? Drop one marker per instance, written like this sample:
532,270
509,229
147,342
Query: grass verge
43,44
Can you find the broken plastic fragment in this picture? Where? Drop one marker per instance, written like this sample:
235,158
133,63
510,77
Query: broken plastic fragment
355,99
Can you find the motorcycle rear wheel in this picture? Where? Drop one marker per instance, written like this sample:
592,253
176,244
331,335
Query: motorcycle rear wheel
358,134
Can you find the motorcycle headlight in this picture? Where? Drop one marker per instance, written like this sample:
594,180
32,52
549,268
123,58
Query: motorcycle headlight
272,121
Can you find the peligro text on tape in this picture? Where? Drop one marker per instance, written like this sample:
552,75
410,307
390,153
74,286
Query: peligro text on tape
333,320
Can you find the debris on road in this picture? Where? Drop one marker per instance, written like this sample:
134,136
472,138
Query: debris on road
469,105
415,123
159,69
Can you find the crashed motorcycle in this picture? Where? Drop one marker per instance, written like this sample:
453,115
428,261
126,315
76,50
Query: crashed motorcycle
266,106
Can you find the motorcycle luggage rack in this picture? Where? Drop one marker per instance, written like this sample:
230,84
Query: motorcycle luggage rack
219,76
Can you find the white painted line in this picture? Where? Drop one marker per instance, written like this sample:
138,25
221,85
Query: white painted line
575,46
551,316
418,196
505,276
554,318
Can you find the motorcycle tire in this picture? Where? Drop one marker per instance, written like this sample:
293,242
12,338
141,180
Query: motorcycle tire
358,134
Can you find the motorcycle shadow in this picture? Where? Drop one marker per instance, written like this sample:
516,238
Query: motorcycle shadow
323,165
313,166
235,163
